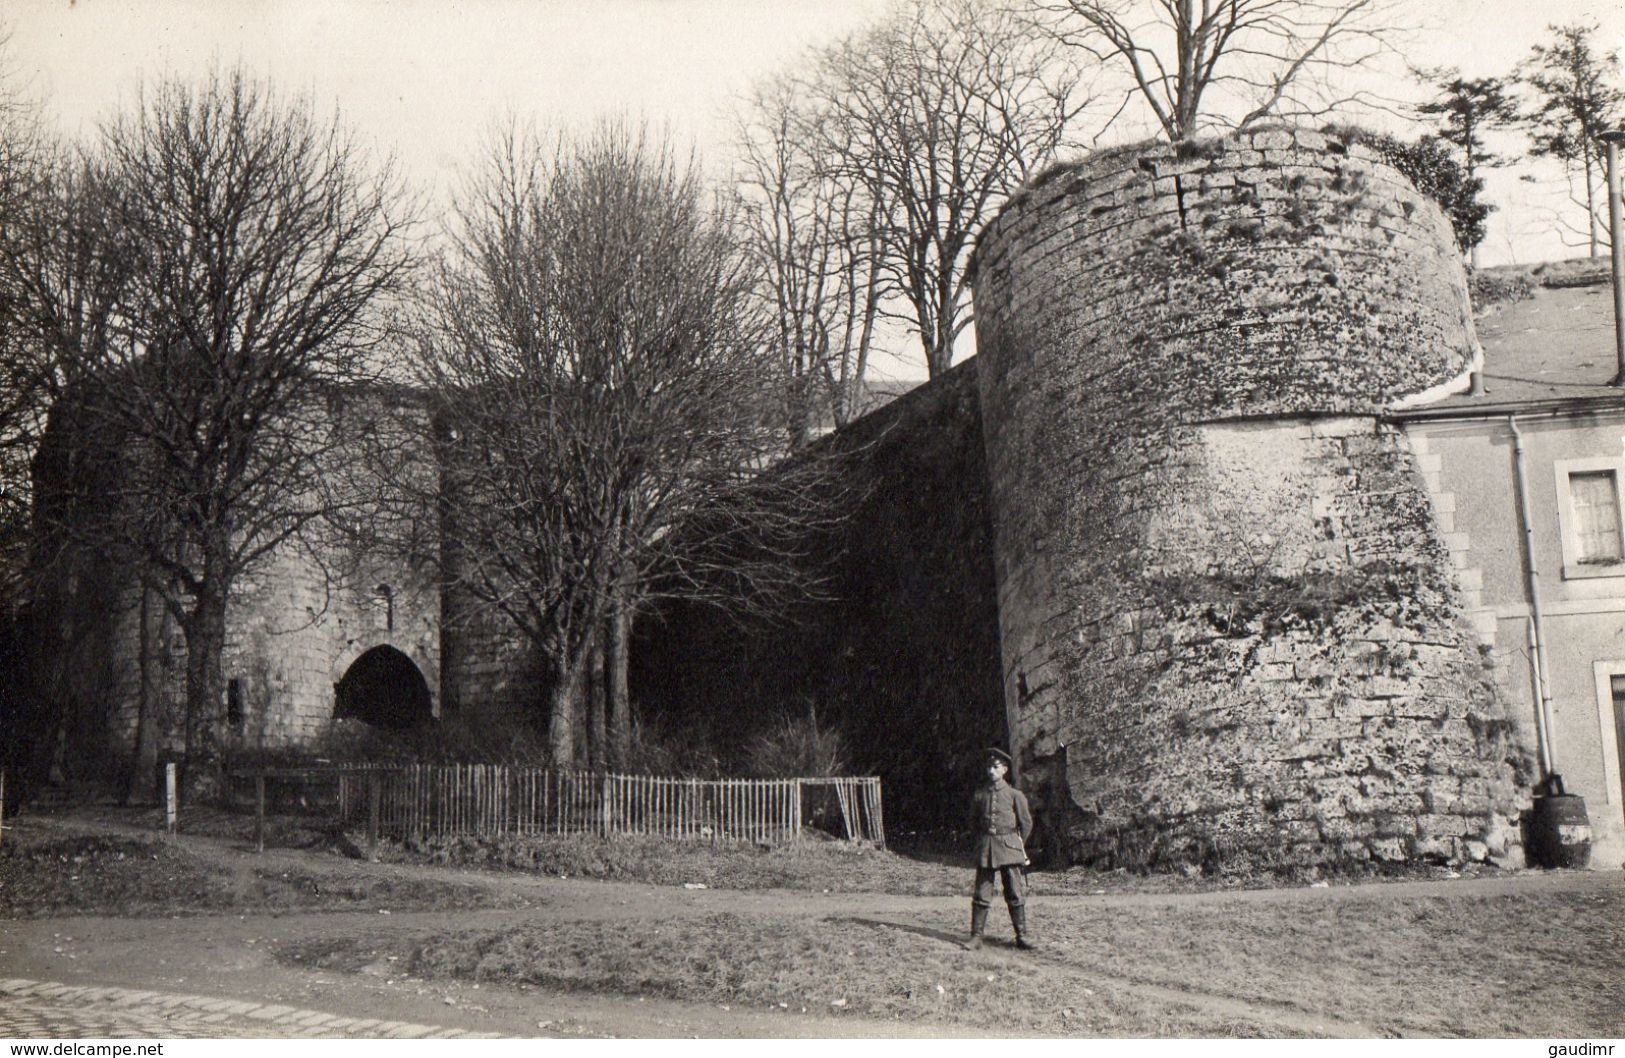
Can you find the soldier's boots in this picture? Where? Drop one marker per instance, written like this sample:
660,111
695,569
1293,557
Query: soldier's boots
978,925
1018,919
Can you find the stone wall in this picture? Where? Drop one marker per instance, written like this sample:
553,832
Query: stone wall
1278,272
1229,633
491,670
294,627
896,646
296,620
302,615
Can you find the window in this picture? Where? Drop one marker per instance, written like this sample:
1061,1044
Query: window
1595,495
384,603
1610,681
235,712
1588,514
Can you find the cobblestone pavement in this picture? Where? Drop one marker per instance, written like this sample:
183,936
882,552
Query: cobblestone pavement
43,1011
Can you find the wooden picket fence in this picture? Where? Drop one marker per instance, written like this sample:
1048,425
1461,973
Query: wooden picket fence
494,800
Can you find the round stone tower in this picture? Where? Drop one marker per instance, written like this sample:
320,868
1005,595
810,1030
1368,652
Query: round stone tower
1230,629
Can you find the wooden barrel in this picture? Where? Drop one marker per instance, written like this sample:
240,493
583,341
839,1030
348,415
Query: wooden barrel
1560,831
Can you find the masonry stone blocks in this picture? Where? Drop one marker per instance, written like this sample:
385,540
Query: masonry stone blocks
1230,628
1162,504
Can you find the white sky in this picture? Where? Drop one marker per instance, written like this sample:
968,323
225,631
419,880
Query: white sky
425,80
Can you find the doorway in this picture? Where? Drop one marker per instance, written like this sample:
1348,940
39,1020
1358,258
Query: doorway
384,688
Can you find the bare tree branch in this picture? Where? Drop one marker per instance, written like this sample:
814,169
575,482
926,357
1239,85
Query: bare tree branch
607,390
1577,98
931,119
1228,64
816,247
234,250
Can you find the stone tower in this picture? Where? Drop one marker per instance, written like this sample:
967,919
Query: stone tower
1230,630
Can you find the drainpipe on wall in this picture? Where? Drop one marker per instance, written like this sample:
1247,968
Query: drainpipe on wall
1537,676
1537,631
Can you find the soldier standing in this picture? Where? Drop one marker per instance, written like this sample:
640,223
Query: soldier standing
1002,823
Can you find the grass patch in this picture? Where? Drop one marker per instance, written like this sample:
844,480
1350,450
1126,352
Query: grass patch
1530,963
102,875
133,876
831,966
358,890
1523,964
816,865
813,865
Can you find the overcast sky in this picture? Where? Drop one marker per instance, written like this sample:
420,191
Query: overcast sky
425,80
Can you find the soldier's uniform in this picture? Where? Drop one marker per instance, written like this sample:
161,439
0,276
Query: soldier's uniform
1002,822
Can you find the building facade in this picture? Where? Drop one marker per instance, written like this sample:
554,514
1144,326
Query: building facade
1525,476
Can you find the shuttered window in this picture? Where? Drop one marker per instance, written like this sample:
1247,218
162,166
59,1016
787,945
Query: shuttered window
1596,516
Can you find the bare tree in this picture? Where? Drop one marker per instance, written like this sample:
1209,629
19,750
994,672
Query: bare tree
605,387
1227,63
34,200
816,241
1577,99
250,244
937,115
33,204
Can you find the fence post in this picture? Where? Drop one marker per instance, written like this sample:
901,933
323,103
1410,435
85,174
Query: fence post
880,813
844,796
259,810
373,790
170,795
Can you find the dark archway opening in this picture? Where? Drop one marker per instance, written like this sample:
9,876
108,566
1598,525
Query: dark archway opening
385,689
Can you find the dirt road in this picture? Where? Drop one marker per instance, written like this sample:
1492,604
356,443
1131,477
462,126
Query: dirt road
230,956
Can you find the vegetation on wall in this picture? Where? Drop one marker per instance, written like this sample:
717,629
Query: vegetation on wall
210,269
1430,165
1243,650
900,657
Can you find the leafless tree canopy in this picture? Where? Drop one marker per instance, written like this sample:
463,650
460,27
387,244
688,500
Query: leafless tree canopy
1227,63
871,175
32,207
210,291
606,391
815,239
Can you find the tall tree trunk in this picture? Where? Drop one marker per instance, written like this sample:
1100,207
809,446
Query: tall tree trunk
143,706
618,654
561,743
597,751
1591,206
205,631
564,701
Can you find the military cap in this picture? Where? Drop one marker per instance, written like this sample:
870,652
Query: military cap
995,753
